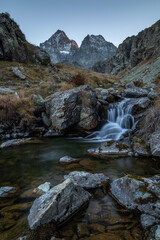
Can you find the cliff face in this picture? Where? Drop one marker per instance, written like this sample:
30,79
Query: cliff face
92,49
132,51
60,47
13,44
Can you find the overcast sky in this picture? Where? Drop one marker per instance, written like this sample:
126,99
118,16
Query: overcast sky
114,19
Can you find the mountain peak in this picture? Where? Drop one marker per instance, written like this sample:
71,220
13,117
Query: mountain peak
59,46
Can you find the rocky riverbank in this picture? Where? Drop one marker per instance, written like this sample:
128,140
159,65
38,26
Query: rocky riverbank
57,205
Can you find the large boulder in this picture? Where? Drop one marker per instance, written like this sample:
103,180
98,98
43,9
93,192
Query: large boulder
13,44
72,107
139,193
88,180
154,142
58,204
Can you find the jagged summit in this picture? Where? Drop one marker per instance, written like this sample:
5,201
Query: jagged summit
93,49
59,47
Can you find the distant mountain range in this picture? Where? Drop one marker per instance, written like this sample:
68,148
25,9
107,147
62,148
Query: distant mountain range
92,50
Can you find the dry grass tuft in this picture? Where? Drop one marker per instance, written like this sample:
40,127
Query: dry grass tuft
16,108
64,86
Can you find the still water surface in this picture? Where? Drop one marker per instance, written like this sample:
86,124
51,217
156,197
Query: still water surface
25,167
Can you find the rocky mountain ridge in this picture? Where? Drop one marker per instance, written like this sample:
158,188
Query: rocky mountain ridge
93,49
14,46
59,47
133,51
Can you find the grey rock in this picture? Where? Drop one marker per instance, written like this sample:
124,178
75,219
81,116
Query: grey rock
157,233
18,73
4,90
27,84
72,107
154,142
23,238
140,150
110,149
140,193
147,220
14,142
88,180
128,191
139,105
43,188
5,191
45,119
135,92
68,159
104,94
152,95
58,204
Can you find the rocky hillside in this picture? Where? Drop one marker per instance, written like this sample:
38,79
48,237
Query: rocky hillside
60,47
93,49
13,44
133,52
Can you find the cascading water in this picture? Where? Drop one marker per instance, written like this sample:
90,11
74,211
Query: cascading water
119,121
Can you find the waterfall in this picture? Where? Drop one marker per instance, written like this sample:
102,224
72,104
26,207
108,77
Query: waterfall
119,122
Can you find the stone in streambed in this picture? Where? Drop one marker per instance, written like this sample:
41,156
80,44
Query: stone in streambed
111,149
68,159
58,204
15,142
88,180
5,191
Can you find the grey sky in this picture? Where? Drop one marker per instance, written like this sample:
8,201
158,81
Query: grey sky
114,19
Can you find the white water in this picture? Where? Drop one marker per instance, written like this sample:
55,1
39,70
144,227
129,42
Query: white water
119,122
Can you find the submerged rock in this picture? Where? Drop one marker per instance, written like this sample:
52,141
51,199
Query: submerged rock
110,149
88,180
68,159
59,203
5,191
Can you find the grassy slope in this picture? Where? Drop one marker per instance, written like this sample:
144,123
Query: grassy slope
42,79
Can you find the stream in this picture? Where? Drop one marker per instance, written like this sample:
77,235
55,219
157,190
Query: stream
25,167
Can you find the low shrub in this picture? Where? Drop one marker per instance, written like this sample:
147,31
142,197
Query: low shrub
78,79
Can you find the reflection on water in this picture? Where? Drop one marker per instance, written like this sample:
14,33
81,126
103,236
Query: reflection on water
25,167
